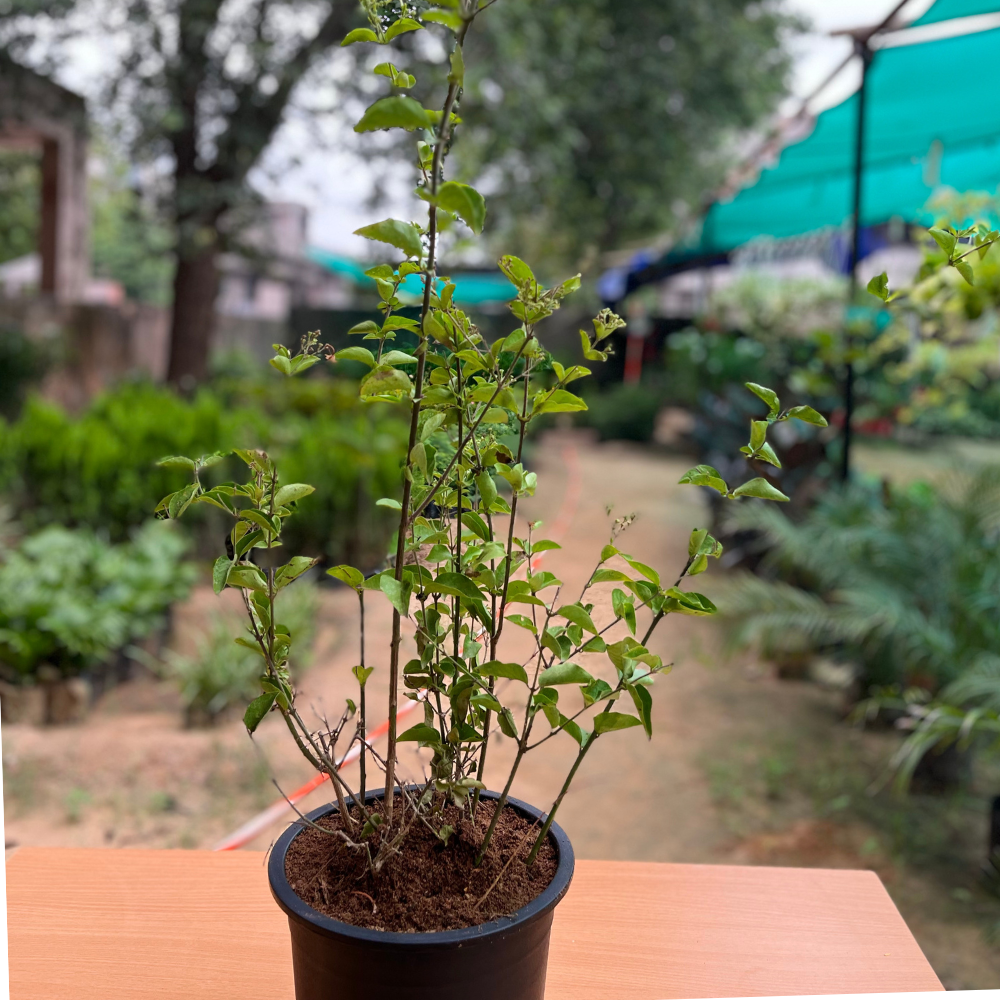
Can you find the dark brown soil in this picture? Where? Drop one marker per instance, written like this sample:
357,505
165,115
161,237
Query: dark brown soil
427,886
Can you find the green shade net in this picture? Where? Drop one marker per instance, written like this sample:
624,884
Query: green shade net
929,122
945,10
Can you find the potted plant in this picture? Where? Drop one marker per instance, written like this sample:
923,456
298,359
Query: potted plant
444,887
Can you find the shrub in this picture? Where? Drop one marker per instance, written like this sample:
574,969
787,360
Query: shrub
99,470
22,363
903,582
221,673
623,412
69,599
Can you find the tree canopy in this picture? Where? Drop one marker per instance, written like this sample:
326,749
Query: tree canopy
591,120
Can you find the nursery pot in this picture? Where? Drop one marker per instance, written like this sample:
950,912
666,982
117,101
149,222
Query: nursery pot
503,959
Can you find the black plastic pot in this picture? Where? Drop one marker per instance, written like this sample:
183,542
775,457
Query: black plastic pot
504,958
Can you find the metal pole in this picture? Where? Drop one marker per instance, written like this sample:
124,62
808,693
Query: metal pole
864,50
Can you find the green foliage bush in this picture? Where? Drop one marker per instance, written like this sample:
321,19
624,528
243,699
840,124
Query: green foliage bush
22,363
623,412
220,673
903,582
99,469
69,599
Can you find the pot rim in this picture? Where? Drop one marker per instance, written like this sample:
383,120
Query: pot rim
296,908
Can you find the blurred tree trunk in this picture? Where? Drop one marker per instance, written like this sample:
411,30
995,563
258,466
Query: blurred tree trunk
196,286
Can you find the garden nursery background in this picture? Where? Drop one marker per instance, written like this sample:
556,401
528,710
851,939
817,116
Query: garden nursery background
179,190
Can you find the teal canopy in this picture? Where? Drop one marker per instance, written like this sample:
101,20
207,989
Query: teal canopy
945,10
931,119
472,288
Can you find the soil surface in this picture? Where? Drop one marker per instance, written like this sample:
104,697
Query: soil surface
743,768
427,886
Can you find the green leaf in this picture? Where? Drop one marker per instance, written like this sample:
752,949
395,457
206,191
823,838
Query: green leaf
177,462
769,396
609,575
181,500
359,35
606,722
524,622
389,502
394,112
220,572
445,17
517,272
292,570
544,545
400,27
347,574
247,577
557,401
758,433
964,268
485,700
464,201
487,488
759,488
385,381
283,364
767,454
420,733
808,415
578,615
647,571
698,538
687,602
519,592
249,644
398,358
366,327
506,722
945,240
403,235
644,706
459,585
256,711
564,673
704,475
879,286
361,354
362,673
513,671
292,492
476,524
398,592
595,645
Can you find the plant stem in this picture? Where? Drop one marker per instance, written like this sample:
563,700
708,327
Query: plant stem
544,832
362,723
418,384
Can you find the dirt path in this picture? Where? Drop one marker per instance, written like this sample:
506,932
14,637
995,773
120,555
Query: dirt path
741,767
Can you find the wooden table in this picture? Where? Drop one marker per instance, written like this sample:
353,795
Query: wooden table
193,925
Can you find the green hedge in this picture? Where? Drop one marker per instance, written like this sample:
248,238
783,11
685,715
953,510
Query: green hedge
98,469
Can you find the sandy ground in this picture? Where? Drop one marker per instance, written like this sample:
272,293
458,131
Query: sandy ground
741,767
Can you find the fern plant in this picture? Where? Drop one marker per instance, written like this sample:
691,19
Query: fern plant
903,582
